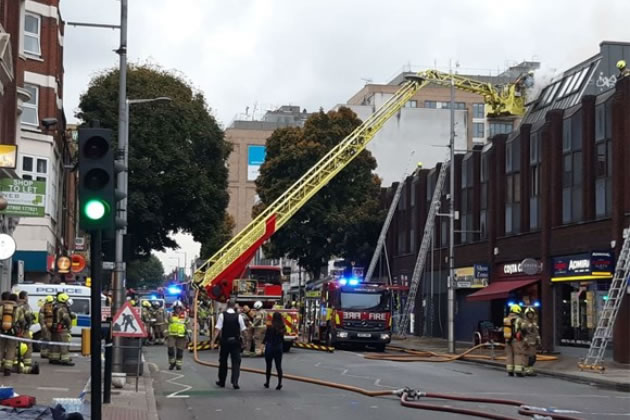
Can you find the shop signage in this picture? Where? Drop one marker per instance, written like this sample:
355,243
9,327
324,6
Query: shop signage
8,155
26,198
474,277
63,265
587,266
519,268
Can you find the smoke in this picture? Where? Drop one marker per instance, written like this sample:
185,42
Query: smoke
542,78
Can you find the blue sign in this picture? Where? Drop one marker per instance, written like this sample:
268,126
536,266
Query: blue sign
255,158
481,271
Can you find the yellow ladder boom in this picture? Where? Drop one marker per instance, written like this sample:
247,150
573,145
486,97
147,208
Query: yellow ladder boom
218,272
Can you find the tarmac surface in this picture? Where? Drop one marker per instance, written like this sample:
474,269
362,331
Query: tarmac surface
192,393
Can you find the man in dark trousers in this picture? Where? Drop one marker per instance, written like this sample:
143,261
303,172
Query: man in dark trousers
228,330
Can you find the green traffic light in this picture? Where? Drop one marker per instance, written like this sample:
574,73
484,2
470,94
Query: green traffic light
95,209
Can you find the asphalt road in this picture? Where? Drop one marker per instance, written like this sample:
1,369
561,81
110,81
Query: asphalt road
192,394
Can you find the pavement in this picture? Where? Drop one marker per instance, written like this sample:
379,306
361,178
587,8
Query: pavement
192,393
615,375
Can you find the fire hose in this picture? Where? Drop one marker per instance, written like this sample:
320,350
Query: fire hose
429,356
408,396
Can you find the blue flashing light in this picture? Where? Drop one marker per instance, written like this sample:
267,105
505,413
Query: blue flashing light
510,303
521,304
153,297
174,290
353,282
343,282
605,297
537,304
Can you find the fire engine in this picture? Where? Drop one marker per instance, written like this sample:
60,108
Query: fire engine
348,311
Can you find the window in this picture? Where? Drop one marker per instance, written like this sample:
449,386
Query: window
430,104
34,169
534,180
412,241
32,26
466,200
603,160
483,180
447,105
30,108
479,111
572,208
513,186
411,104
478,129
500,128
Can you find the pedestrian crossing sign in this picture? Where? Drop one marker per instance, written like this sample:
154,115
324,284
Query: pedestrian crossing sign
127,323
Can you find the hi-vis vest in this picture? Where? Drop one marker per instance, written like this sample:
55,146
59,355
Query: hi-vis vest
8,315
177,326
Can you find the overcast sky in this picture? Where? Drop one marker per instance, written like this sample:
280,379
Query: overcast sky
266,53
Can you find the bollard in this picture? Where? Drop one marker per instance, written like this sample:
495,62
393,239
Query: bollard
85,342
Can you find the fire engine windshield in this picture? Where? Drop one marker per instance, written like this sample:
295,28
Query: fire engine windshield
365,301
269,275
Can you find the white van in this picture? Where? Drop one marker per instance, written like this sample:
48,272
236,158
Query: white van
80,296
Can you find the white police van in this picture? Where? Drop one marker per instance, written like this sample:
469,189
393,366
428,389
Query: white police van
80,296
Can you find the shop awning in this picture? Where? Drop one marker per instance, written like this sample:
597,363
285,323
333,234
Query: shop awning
500,289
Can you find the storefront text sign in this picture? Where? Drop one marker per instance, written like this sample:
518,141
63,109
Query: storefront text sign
517,268
474,277
587,266
26,198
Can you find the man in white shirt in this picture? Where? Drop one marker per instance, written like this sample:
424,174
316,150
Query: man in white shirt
229,327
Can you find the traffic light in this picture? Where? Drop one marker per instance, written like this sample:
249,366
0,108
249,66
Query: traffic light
96,179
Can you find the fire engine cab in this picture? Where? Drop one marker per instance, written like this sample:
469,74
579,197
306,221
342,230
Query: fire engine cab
347,311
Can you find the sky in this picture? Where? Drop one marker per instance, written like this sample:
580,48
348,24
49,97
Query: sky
260,54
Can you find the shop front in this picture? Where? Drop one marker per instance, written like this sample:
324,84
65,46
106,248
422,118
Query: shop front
470,316
580,286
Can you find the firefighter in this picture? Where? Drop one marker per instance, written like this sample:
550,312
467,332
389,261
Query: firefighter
147,316
623,68
514,344
202,318
248,318
259,325
12,323
177,340
62,323
158,325
22,367
46,323
25,357
532,339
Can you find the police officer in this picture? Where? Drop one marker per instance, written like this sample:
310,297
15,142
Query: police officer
514,344
26,356
259,326
177,340
230,326
11,324
531,334
45,323
158,325
62,323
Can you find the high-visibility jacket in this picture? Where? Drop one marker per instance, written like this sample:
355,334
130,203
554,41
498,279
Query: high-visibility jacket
177,325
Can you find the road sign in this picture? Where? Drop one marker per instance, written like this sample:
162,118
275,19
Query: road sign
127,323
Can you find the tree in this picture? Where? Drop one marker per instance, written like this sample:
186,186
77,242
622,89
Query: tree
344,218
177,158
217,241
145,272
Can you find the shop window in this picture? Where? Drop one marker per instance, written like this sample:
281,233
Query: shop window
603,160
572,208
534,180
513,186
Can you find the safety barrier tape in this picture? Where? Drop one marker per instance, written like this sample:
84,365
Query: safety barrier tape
311,346
48,343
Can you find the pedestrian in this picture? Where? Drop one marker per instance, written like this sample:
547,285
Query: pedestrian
12,323
62,323
228,330
514,345
177,336
531,334
259,325
45,323
274,339
25,356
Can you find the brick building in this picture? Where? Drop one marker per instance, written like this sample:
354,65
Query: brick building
556,191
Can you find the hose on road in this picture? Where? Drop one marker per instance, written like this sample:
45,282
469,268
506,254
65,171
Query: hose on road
409,355
407,395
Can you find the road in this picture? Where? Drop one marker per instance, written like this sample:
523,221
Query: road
192,393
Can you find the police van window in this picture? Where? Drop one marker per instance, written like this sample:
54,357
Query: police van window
80,306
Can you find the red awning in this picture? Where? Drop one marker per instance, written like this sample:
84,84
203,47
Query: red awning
500,289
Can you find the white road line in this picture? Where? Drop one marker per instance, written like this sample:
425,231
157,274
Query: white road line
68,371
185,388
612,414
52,388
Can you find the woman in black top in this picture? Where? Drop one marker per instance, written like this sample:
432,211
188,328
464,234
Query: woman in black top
274,338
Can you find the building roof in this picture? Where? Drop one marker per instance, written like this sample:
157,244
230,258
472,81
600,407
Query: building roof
593,76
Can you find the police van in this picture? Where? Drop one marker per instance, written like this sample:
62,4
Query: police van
80,296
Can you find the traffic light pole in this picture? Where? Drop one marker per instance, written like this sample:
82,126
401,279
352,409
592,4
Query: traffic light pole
118,285
96,262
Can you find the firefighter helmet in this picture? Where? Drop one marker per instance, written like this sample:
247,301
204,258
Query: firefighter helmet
621,65
63,298
146,303
516,308
258,304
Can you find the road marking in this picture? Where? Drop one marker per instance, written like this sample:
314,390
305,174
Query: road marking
176,394
374,406
52,388
68,371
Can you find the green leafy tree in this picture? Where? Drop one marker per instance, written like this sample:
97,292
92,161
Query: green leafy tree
344,218
145,272
177,158
217,241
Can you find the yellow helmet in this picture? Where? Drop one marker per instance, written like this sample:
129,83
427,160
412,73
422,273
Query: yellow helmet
516,309
146,303
49,299
621,64
63,297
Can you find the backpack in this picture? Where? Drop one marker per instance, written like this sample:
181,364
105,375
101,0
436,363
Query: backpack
8,314
508,328
48,315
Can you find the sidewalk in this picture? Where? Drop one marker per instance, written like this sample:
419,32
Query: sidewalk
616,375
127,404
